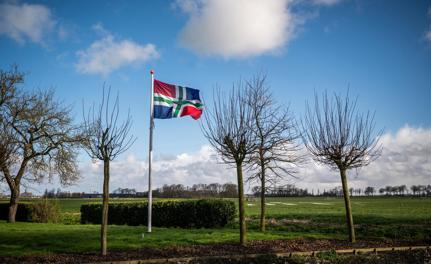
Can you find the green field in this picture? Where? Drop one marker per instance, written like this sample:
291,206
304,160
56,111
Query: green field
401,218
389,207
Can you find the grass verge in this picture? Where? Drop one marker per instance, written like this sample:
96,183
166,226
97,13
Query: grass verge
36,239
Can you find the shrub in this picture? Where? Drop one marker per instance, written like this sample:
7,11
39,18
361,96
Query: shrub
170,213
45,211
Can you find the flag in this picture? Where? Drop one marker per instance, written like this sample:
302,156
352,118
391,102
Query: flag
176,101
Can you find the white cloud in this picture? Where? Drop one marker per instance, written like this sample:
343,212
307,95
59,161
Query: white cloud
187,6
185,168
406,159
236,29
428,36
100,29
326,2
108,54
23,22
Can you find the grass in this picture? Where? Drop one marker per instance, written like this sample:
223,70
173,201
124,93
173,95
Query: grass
375,218
30,238
389,207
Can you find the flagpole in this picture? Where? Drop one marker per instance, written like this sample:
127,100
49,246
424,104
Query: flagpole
150,152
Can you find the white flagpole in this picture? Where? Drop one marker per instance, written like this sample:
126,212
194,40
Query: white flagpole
150,150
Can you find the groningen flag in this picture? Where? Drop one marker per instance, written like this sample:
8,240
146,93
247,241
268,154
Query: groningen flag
175,101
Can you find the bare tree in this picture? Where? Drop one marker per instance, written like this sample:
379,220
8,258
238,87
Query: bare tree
105,139
414,189
226,125
338,136
38,138
402,189
369,191
275,157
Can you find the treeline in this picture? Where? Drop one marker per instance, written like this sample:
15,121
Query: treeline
401,190
290,190
415,190
201,190
53,193
229,190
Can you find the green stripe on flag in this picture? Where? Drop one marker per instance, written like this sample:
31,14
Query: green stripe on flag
171,102
164,100
179,102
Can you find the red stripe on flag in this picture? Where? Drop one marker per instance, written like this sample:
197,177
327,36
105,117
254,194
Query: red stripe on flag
191,111
164,88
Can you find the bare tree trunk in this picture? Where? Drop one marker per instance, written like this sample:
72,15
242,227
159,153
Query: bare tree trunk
242,226
349,217
13,204
262,200
104,226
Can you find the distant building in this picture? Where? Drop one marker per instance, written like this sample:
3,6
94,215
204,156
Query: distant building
26,195
91,195
126,191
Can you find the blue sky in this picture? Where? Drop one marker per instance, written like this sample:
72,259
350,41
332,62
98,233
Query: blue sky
380,49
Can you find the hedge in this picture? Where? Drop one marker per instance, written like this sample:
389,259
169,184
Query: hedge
205,213
39,211
23,212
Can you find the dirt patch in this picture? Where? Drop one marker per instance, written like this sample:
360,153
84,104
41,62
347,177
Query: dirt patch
254,247
295,221
280,222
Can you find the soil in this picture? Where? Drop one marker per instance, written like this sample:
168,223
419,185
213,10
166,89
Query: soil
253,247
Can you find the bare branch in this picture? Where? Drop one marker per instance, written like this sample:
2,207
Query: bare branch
276,135
226,125
105,138
338,136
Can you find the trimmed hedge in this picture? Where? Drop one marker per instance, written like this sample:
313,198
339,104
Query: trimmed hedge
23,213
205,213
38,211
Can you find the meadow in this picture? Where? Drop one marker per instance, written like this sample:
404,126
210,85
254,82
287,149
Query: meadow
376,218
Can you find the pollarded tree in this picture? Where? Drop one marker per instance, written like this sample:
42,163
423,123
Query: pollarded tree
338,136
226,125
105,139
275,156
38,138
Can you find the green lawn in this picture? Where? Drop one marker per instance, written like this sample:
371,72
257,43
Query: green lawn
375,218
30,238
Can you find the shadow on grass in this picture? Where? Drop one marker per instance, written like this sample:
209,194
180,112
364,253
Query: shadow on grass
31,238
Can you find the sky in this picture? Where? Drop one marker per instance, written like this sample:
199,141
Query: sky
379,50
